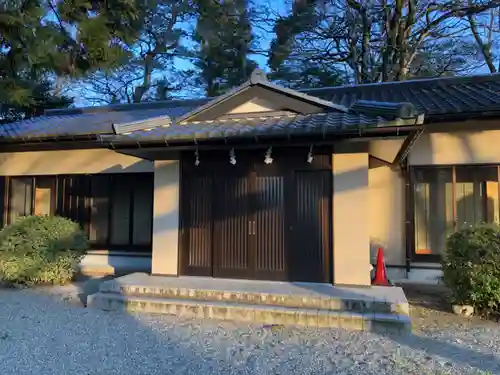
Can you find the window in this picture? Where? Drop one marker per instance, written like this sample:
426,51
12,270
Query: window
30,196
20,198
448,198
115,210
45,196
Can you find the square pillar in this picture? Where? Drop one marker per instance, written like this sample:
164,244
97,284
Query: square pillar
351,238
166,218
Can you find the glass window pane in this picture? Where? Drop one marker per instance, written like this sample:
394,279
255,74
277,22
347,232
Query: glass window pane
475,195
433,199
21,189
492,202
45,196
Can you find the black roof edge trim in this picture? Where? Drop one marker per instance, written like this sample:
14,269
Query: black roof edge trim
480,114
331,137
50,139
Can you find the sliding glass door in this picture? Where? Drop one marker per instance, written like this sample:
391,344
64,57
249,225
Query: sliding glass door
449,198
433,197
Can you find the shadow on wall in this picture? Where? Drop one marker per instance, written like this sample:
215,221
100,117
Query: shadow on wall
387,217
71,162
376,244
439,148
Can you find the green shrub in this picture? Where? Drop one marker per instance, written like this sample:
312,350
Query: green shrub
471,267
41,249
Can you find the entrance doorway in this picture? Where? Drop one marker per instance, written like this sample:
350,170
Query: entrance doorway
254,220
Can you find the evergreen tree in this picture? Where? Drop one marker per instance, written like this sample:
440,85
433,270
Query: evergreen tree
41,39
149,71
23,60
225,39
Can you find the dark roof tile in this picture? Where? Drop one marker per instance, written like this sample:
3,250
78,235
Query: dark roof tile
434,96
320,123
75,124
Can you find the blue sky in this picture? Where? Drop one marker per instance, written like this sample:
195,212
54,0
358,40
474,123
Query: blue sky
263,40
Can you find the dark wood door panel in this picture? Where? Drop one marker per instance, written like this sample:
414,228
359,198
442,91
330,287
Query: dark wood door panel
257,221
310,234
269,245
232,226
197,225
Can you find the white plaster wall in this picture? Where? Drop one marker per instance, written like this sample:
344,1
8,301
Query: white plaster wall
472,147
386,149
254,105
70,162
387,214
166,218
351,240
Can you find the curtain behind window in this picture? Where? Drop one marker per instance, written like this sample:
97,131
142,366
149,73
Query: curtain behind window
433,210
442,205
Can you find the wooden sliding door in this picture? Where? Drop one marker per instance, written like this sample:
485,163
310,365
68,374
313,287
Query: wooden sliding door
255,220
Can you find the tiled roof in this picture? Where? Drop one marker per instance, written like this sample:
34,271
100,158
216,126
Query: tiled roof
434,96
312,124
58,123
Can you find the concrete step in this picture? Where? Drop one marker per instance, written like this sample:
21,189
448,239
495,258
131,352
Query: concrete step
349,302
250,312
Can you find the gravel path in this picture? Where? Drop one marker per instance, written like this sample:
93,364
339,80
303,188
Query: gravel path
48,334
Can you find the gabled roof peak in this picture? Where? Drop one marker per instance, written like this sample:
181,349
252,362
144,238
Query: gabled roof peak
258,85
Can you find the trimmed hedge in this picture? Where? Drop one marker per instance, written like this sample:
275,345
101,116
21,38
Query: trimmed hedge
41,250
471,267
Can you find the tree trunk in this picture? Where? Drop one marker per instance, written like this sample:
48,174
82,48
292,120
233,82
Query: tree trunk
146,83
484,47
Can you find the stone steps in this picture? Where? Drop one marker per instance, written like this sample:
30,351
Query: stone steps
347,303
317,305
255,313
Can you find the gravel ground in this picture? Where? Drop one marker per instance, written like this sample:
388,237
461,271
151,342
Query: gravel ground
51,333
